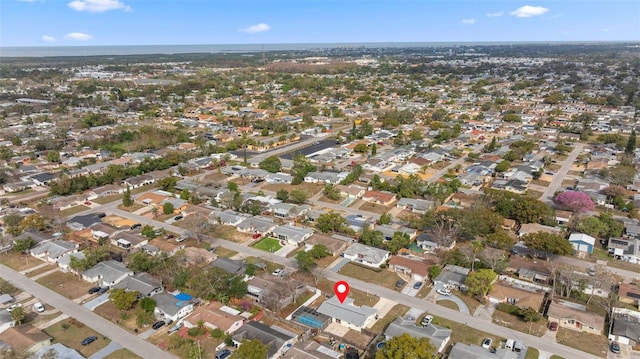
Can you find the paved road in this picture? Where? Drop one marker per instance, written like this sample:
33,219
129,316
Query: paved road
96,322
556,182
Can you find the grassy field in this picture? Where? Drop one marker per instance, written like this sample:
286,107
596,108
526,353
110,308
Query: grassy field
122,354
359,297
398,311
19,261
384,277
73,210
268,244
224,252
107,199
532,353
271,266
109,311
67,284
374,208
465,334
590,343
73,335
448,304
511,321
41,270
229,233
309,188
471,303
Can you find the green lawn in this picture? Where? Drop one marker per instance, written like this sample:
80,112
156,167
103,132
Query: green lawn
224,252
383,277
268,244
532,353
73,335
73,210
464,334
107,199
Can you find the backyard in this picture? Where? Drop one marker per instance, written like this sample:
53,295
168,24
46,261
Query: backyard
384,277
268,244
71,333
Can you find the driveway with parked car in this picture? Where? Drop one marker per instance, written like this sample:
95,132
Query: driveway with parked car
94,303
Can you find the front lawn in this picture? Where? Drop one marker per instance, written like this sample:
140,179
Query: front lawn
359,297
397,311
73,210
384,277
268,244
590,343
107,199
19,261
122,354
511,321
70,332
67,284
532,353
224,252
464,334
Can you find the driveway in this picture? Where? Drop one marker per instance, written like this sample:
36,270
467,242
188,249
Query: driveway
336,268
112,347
462,306
84,315
408,289
96,302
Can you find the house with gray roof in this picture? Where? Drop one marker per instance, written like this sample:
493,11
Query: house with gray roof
469,351
53,250
415,205
127,240
257,225
452,276
277,340
279,178
347,314
292,234
324,177
107,273
143,283
366,255
229,265
626,326
388,231
438,336
169,307
65,260
61,351
227,217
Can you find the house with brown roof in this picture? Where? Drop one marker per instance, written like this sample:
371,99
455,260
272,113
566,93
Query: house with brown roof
25,338
629,293
350,191
215,315
501,292
417,268
527,228
197,256
334,246
575,317
563,217
380,197
163,246
148,198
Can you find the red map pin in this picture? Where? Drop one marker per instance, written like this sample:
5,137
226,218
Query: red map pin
341,289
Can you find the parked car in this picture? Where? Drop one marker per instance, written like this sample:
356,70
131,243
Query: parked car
615,347
175,328
89,340
177,218
400,283
103,290
278,272
94,290
553,326
444,291
137,225
426,320
417,285
486,343
38,307
159,324
181,239
87,203
224,353
14,306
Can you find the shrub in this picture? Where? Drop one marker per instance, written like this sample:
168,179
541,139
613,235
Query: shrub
217,333
197,331
508,308
65,326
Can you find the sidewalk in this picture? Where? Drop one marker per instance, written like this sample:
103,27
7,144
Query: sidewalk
36,277
28,270
53,321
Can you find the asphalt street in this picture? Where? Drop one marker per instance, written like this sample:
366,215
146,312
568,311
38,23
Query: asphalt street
556,182
118,335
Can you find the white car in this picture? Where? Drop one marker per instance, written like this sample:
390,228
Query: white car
486,343
38,307
278,272
11,308
426,320
445,292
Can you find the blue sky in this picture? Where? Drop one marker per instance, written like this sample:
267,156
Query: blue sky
146,22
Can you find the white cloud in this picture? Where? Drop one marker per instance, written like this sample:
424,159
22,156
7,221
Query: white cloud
47,38
495,14
469,21
78,36
529,11
96,6
261,27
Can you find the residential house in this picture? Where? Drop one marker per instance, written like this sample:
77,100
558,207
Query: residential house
229,265
529,270
227,217
138,181
101,231
104,191
273,292
288,210
256,225
366,255
582,243
415,267
430,243
150,198
170,248
522,296
215,315
438,336
279,177
61,351
107,273
347,314
334,246
324,177
470,351
414,205
143,283
65,261
53,250
25,337
172,307
575,317
625,249
81,222
179,205
629,293
198,256
452,276
127,240
563,217
6,321
350,191
388,231
379,197
278,340
625,328
291,234
527,228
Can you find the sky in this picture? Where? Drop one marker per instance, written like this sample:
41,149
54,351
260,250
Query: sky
172,22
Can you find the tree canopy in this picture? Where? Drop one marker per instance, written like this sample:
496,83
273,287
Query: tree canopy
271,164
251,349
406,347
547,243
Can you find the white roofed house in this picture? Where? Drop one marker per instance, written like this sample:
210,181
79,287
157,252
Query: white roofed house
347,314
107,273
169,307
258,225
65,260
291,234
366,255
52,251
415,205
582,243
227,217
127,240
438,336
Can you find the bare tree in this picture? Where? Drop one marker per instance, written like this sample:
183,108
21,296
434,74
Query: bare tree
494,258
